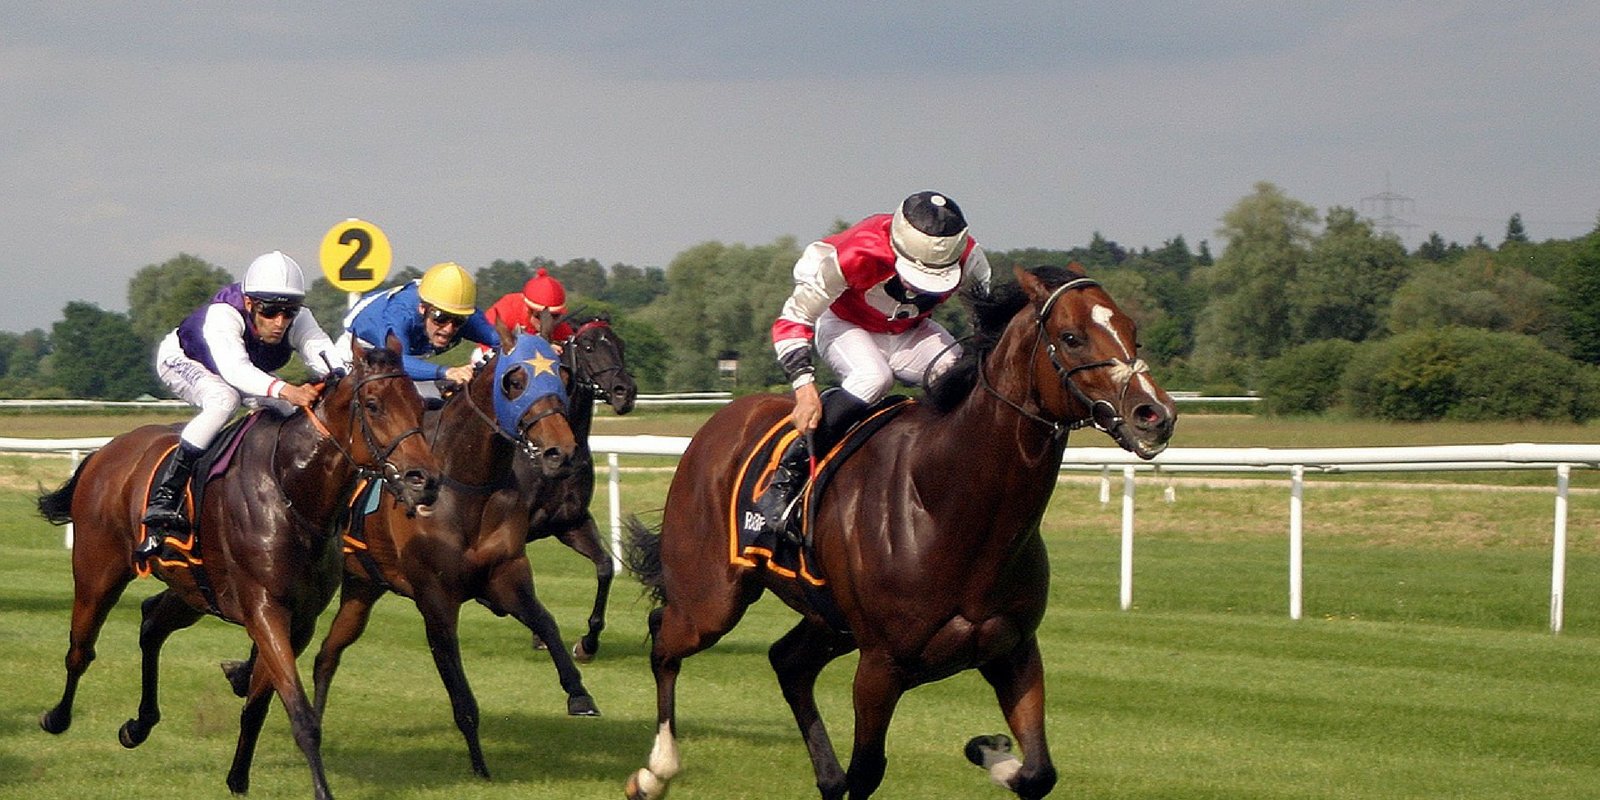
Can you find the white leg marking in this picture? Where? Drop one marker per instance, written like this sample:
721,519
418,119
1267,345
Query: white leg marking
664,762
1002,766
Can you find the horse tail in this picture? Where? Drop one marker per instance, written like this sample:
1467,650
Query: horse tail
641,555
56,506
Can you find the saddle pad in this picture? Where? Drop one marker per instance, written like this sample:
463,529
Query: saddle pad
749,543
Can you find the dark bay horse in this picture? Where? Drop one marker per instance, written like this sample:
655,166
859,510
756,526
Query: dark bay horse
928,538
596,368
499,442
269,559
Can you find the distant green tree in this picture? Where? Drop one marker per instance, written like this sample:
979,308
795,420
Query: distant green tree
1435,249
584,276
1344,287
161,295
1477,292
1579,281
503,277
328,304
631,287
1515,233
1247,313
724,297
97,355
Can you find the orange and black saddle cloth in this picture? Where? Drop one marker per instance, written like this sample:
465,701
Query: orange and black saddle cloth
749,543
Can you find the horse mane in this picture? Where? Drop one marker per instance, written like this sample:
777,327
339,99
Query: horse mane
992,311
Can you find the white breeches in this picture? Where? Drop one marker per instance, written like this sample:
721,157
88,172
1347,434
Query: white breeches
200,387
868,364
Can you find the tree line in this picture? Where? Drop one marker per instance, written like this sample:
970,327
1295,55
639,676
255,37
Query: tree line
1315,311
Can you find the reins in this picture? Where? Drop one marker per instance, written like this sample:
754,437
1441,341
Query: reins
1125,371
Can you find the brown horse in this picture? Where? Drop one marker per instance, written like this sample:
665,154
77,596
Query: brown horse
494,468
928,538
267,559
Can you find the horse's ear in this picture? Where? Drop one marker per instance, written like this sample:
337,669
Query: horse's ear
547,324
508,336
1030,283
392,343
358,354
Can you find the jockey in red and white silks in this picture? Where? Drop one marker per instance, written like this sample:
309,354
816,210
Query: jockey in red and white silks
866,295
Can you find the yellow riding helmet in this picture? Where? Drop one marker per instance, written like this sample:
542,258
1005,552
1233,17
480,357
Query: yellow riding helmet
448,286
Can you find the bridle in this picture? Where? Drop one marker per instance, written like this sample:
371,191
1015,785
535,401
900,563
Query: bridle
1103,414
520,441
570,360
381,467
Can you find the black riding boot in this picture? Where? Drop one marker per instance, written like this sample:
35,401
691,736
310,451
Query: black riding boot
840,410
164,515
777,502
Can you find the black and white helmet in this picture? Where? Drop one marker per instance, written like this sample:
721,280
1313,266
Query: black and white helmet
929,236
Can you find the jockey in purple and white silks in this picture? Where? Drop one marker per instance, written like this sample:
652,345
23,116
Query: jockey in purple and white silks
864,299
222,355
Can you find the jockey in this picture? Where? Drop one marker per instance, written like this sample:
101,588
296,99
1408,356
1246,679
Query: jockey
429,316
864,298
520,311
225,352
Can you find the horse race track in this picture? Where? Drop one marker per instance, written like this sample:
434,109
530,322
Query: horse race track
1422,669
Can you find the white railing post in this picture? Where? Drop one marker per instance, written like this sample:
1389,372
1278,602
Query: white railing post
1297,482
615,493
1127,538
1105,485
1558,558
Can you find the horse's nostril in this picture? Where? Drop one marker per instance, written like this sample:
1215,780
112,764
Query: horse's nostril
1147,414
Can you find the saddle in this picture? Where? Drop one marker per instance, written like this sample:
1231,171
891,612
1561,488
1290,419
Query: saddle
751,545
186,552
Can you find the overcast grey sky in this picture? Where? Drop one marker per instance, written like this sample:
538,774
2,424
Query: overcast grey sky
627,132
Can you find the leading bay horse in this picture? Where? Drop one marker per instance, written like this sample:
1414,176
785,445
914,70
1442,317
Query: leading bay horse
499,441
266,556
928,538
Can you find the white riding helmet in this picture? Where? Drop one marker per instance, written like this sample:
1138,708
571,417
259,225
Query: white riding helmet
929,236
274,278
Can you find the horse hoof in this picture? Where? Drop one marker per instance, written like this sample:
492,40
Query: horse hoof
54,721
582,705
132,734
240,784
644,785
583,654
238,677
539,645
977,745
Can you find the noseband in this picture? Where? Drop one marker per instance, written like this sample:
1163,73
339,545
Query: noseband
1103,414
381,467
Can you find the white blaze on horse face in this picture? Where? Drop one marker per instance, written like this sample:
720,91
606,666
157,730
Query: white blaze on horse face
1129,368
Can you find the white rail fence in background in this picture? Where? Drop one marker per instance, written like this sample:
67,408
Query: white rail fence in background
1560,458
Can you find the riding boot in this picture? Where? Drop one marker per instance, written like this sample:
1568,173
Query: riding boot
164,515
777,502
840,410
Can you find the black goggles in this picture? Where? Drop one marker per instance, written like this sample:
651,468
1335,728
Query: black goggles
275,310
441,317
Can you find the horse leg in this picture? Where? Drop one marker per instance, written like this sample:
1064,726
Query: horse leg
585,539
161,614
798,658
258,697
238,673
1018,681
878,687
356,599
275,671
675,635
440,616
96,589
510,587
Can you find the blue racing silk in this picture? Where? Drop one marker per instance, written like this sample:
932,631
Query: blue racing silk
394,310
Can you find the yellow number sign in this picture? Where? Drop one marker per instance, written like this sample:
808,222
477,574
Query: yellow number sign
355,255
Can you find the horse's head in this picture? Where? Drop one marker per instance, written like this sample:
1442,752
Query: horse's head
530,401
375,413
596,359
1086,362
